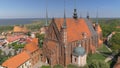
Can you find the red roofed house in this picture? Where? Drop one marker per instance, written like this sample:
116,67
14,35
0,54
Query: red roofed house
12,39
33,50
21,60
20,29
27,58
65,34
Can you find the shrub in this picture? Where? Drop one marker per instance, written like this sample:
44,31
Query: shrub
46,66
72,66
58,66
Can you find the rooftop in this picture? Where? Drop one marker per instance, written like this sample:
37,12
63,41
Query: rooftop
17,60
75,28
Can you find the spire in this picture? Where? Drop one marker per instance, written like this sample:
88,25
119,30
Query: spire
88,15
53,20
80,15
64,23
97,17
75,11
46,24
96,24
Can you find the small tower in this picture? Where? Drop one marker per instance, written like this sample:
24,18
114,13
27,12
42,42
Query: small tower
75,11
88,15
46,23
80,15
64,26
75,14
79,56
96,24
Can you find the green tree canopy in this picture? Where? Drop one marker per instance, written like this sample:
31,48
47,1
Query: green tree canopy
115,42
40,39
98,64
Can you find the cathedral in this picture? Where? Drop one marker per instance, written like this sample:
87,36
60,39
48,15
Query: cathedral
69,40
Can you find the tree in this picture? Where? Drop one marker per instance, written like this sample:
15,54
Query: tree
40,39
115,42
0,51
98,64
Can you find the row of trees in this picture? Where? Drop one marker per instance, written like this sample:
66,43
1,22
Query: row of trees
94,64
109,26
16,45
114,42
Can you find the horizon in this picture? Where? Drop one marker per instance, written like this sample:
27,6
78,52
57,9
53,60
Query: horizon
10,9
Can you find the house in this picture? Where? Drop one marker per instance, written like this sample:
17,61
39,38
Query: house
14,38
20,29
22,60
33,49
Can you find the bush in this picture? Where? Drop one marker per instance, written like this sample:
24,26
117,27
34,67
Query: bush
115,42
58,66
72,66
46,66
98,64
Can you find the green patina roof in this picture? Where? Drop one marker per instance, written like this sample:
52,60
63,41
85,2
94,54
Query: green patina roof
79,51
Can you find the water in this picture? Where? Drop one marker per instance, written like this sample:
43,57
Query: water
5,22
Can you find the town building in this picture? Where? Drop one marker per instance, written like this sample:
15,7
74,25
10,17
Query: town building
27,58
33,49
79,56
21,60
20,29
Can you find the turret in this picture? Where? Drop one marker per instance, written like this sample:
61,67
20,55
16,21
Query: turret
75,11
88,15
46,23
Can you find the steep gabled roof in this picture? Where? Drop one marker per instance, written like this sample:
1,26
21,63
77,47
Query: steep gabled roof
20,29
31,47
16,61
75,28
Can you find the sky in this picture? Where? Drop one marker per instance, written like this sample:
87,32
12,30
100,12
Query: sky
36,8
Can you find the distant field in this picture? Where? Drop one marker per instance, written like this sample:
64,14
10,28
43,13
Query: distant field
35,24
107,24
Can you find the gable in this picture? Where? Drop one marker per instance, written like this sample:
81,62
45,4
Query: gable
75,28
53,32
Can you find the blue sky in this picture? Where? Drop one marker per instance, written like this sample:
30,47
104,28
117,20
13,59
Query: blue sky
36,8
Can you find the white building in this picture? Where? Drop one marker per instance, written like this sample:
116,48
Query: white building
79,56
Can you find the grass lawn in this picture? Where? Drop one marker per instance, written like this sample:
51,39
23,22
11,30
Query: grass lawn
92,57
103,48
46,67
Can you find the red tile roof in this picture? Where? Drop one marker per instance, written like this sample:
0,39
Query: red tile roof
13,38
31,47
17,60
75,28
20,29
